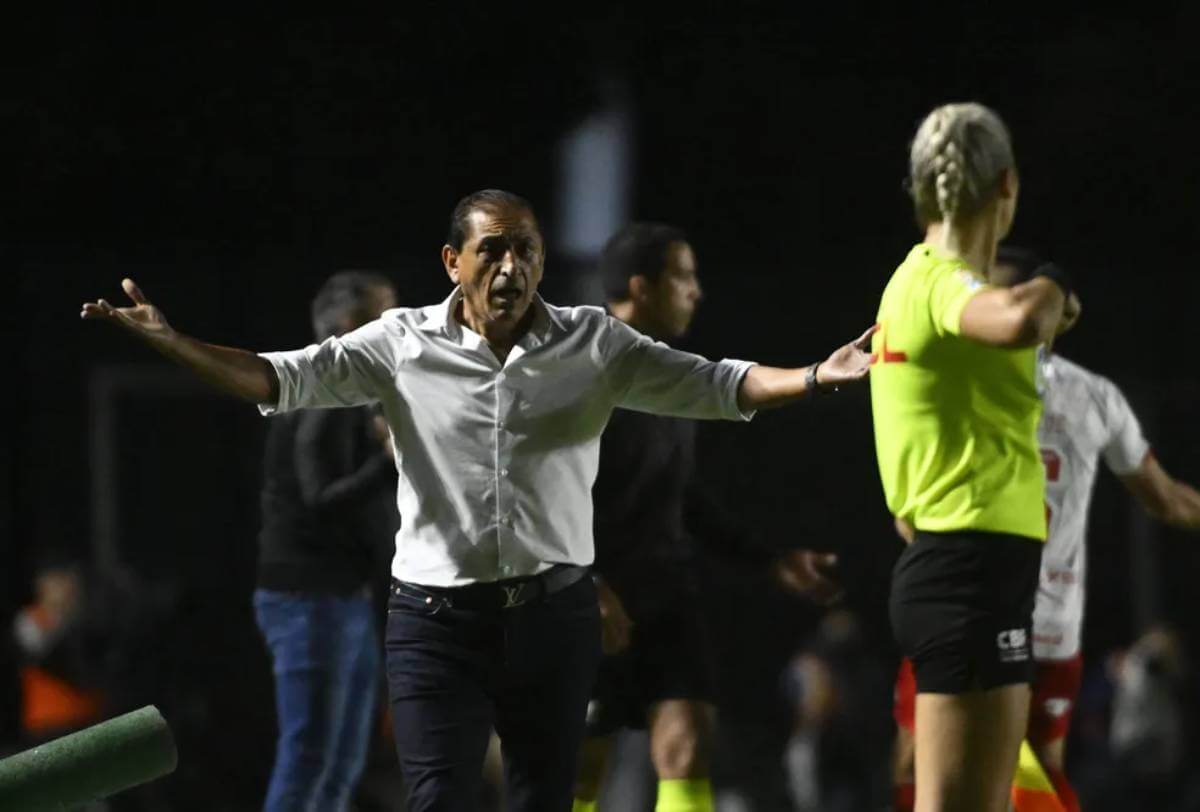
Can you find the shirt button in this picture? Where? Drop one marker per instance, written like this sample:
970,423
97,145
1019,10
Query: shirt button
503,472
506,570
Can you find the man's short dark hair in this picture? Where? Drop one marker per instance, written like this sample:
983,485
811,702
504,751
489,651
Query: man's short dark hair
639,249
488,200
344,297
1022,260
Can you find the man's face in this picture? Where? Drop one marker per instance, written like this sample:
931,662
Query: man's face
500,264
670,303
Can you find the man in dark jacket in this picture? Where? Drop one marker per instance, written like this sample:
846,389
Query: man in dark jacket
328,518
660,676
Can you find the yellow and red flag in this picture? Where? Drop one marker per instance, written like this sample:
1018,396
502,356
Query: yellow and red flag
1032,790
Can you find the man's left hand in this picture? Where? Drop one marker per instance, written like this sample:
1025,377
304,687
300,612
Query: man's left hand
615,624
849,363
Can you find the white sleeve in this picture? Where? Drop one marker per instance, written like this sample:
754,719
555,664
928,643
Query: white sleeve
343,371
1125,448
649,376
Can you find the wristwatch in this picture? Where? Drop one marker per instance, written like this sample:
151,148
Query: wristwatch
810,380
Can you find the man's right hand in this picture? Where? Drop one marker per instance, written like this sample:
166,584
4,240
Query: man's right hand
615,625
238,372
143,319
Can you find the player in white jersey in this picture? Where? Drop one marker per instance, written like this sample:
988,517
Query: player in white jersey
1085,419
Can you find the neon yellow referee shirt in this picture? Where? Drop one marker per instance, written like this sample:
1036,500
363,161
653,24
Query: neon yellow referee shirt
955,421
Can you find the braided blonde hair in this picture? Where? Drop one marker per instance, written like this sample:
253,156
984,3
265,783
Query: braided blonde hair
957,157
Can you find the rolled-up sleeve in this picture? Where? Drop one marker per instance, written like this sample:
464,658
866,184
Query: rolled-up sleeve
341,371
649,376
1126,447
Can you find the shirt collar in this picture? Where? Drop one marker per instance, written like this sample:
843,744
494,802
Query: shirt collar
545,321
931,250
439,318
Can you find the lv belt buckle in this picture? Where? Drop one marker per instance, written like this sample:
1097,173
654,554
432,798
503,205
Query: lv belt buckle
513,595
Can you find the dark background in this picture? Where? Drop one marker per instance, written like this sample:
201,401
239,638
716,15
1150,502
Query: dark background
229,163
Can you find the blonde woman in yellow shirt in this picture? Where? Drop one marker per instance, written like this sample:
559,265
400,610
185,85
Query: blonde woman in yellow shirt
956,407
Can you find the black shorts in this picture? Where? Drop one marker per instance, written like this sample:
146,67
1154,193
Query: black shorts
962,609
669,657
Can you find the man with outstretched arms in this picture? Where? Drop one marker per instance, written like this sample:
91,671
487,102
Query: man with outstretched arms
495,402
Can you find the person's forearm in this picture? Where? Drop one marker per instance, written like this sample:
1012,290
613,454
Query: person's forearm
238,372
346,491
1164,497
769,387
1041,301
1014,318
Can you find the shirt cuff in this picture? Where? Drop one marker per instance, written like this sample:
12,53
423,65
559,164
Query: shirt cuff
286,369
1129,458
737,373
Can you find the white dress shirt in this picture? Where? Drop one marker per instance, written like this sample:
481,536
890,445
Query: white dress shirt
497,461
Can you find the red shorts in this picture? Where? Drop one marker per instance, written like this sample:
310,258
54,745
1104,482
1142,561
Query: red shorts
1055,689
904,696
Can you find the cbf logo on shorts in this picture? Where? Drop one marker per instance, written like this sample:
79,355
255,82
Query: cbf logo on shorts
1013,646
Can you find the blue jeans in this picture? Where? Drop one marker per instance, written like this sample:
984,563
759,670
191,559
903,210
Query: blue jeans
326,662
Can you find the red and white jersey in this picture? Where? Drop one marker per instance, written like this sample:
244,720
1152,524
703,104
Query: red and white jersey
1085,418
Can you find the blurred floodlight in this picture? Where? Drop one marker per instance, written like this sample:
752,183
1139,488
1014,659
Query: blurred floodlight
595,169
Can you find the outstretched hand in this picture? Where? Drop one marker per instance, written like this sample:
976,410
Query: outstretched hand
240,373
849,363
143,319
810,575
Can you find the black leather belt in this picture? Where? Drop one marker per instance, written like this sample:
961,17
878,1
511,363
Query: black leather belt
488,595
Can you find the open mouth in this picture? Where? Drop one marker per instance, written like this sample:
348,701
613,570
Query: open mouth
508,295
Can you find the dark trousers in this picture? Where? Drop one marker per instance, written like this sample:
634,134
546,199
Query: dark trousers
455,673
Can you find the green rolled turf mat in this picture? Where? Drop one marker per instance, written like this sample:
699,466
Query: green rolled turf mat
91,764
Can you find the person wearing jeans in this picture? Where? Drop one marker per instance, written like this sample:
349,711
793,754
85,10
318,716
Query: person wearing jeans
326,660
328,521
